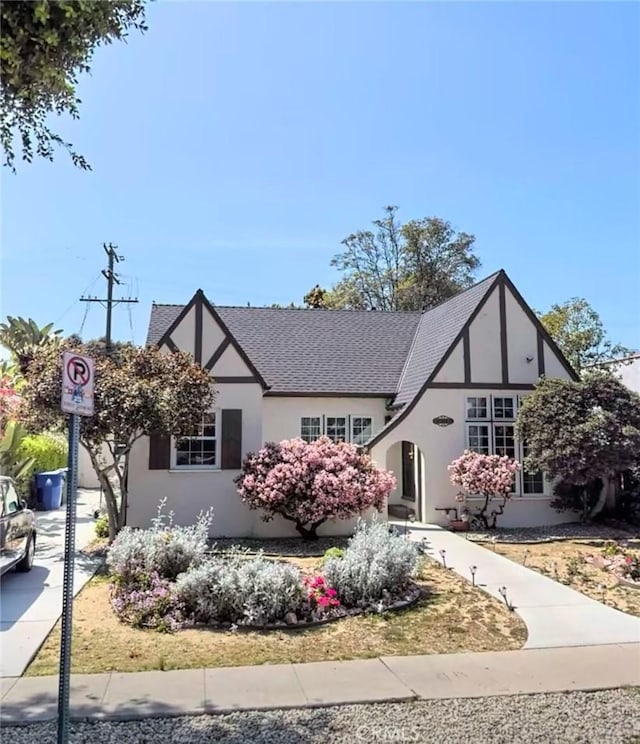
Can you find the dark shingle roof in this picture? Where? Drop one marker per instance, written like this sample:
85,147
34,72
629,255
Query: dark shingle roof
436,332
300,350
345,352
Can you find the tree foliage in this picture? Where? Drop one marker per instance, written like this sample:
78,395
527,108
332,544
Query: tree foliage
411,266
308,483
489,476
45,46
579,332
581,433
23,336
140,392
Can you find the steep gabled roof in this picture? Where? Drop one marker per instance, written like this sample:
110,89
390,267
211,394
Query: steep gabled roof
437,331
299,350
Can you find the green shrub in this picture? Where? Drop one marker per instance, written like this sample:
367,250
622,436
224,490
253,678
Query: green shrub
102,526
48,452
332,553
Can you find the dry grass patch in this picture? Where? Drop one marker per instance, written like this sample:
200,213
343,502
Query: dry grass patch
452,616
564,561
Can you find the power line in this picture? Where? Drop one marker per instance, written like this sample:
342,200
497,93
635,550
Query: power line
112,278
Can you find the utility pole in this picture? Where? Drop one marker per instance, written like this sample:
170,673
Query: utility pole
112,278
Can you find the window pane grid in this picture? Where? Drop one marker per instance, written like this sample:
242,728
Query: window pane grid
477,408
310,429
199,449
361,429
337,428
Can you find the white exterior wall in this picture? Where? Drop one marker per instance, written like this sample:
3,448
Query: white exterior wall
630,374
183,336
484,342
282,415
188,492
522,343
440,445
553,367
453,369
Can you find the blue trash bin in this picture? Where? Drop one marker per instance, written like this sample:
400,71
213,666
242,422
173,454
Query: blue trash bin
49,485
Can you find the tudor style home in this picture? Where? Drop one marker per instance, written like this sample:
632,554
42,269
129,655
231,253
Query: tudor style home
415,389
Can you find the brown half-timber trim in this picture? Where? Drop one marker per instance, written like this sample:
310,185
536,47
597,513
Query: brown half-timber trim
197,346
236,380
412,404
165,338
307,394
540,354
466,352
481,386
504,349
169,342
215,357
541,329
233,340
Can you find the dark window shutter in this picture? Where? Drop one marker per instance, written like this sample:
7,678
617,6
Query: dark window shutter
159,452
231,433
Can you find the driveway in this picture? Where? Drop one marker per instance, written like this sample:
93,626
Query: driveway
31,603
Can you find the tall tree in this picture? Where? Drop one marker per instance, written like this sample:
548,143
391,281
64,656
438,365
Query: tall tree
45,46
23,336
579,332
139,392
411,266
585,434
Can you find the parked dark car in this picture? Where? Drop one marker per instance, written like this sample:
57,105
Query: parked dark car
17,530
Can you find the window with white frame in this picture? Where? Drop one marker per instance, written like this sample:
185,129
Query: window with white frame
336,428
201,448
310,428
490,429
354,428
361,429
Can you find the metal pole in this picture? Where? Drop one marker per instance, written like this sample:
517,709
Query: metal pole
67,585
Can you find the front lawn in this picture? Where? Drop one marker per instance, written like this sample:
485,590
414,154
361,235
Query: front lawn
570,562
452,616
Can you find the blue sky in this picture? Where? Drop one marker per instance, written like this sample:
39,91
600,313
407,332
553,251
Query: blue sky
234,145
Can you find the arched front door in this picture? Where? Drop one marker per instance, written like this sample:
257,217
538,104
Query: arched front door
406,461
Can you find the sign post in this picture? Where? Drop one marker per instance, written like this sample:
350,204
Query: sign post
77,400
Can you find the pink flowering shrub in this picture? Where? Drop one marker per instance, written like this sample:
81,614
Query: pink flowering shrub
490,476
308,483
9,402
321,596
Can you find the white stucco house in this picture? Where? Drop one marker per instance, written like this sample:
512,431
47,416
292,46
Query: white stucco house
415,389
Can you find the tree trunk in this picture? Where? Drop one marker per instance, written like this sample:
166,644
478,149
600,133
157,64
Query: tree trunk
602,499
109,495
309,533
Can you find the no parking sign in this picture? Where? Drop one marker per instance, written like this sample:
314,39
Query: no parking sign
77,384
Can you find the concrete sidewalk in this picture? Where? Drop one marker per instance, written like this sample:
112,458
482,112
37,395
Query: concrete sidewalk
31,603
118,696
555,615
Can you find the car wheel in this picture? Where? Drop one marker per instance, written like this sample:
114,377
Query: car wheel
26,564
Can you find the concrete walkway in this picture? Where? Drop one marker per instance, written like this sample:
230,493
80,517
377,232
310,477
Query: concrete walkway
31,603
397,678
556,616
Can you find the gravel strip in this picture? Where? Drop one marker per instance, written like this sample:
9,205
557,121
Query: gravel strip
608,717
571,531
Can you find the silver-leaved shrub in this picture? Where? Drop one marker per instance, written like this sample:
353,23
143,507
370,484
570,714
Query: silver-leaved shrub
376,563
253,591
165,548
